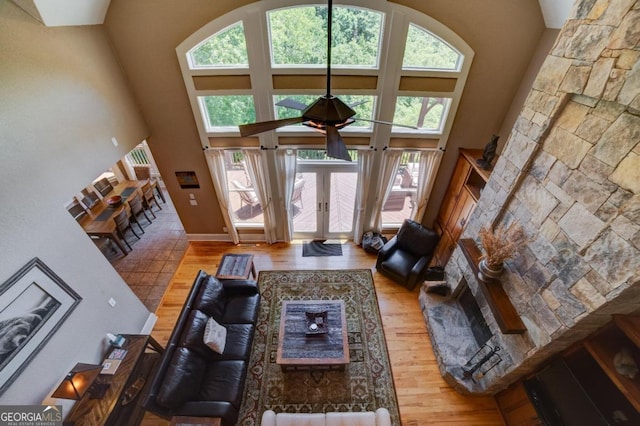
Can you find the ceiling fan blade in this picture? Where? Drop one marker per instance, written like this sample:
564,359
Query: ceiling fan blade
355,104
292,103
387,123
263,126
335,145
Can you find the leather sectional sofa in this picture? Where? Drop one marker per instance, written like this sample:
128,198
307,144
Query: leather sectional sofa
192,379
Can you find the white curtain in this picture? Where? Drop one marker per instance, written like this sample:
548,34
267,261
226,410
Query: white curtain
365,175
256,168
215,160
286,165
390,163
429,164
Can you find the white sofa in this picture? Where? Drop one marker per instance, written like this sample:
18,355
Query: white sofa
368,418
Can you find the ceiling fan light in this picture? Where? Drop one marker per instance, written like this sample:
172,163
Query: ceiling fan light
328,110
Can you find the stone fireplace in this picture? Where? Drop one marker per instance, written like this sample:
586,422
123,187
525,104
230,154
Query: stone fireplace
570,173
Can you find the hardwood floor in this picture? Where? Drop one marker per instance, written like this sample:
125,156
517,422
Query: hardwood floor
423,396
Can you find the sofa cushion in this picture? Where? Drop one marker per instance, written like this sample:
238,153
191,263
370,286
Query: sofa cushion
296,419
241,310
416,239
215,336
193,331
224,381
367,418
400,263
211,298
182,379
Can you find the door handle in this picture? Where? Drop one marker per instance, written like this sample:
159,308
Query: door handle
326,207
320,206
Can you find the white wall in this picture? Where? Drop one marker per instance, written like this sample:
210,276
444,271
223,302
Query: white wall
63,97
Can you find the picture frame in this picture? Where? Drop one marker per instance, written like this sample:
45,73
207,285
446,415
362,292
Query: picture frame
34,303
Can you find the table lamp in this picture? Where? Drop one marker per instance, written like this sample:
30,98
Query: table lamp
79,381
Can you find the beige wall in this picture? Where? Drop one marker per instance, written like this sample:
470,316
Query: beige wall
62,98
504,35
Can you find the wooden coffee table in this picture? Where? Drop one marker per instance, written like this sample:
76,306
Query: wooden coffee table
299,350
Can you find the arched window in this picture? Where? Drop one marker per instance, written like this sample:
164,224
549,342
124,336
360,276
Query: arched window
227,48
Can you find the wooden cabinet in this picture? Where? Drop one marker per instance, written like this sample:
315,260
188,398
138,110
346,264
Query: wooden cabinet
584,385
460,200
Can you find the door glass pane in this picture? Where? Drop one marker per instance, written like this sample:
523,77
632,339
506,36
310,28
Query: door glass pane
304,204
341,202
242,195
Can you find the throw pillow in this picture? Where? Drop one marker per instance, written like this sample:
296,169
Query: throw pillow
215,336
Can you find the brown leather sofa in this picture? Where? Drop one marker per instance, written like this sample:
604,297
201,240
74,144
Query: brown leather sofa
192,379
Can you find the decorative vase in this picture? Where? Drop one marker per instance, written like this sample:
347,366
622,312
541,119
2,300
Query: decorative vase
487,273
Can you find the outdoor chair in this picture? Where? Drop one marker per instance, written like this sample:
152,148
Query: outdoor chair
405,257
298,186
247,196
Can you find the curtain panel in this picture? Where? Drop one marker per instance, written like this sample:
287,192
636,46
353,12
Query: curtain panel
215,160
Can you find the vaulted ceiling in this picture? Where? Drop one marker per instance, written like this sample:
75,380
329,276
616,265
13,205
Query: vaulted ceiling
57,13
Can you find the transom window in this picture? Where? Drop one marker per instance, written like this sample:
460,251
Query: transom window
424,50
298,36
228,48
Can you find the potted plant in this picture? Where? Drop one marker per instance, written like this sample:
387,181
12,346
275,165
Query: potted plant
498,245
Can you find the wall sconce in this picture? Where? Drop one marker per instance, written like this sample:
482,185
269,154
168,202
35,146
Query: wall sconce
80,381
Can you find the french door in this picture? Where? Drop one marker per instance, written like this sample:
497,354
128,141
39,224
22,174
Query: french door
326,208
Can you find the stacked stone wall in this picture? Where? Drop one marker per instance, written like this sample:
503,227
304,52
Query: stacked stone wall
570,173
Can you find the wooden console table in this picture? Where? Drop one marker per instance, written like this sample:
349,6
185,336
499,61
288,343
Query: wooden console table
109,410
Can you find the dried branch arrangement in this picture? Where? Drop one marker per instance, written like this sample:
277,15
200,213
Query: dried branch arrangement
502,243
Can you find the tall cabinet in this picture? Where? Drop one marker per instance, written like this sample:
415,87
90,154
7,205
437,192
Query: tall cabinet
460,200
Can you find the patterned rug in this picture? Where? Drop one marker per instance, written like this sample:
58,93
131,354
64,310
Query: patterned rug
365,384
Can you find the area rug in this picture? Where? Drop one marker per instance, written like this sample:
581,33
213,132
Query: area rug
320,248
365,384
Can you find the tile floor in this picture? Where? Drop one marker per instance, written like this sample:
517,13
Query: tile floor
148,268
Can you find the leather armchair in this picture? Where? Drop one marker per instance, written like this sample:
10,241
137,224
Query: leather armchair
405,258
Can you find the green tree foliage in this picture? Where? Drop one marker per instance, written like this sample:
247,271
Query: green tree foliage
299,36
425,113
226,48
424,50
225,111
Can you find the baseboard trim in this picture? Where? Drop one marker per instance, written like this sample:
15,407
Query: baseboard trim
209,237
244,238
149,323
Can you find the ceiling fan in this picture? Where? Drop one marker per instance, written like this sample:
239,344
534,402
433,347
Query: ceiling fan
327,114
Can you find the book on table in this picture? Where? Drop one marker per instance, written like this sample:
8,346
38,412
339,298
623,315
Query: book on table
110,366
